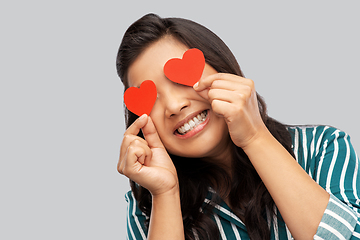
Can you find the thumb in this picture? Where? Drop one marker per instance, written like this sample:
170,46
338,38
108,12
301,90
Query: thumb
204,93
151,135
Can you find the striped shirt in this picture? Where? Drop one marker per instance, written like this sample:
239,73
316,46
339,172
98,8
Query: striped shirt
327,155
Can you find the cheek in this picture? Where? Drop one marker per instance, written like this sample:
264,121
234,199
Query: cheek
160,127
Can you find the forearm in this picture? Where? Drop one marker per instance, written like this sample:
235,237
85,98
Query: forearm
300,200
166,218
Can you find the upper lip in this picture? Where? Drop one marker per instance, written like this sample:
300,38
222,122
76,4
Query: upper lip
186,119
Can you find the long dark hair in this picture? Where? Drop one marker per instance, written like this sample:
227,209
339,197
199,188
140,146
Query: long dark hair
247,193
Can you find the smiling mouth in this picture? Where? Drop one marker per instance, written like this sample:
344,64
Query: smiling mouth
192,123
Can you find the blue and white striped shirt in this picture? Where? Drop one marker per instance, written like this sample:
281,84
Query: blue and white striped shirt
327,155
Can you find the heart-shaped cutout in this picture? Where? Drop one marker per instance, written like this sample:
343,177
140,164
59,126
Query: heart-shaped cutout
188,70
141,100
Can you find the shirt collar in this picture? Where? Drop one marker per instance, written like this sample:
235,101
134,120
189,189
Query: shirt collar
223,210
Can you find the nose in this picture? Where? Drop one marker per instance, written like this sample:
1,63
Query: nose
175,101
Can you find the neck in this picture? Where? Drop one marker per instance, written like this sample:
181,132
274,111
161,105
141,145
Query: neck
223,156
224,160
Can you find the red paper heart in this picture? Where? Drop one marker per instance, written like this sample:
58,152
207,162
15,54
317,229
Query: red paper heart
141,100
188,70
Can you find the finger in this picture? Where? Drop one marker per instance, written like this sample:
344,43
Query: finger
204,93
204,83
137,125
229,86
144,159
225,109
151,135
216,83
131,133
238,85
127,140
226,95
132,163
134,141
207,82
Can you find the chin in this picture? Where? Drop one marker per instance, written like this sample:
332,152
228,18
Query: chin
195,151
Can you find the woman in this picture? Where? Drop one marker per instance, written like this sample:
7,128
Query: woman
237,174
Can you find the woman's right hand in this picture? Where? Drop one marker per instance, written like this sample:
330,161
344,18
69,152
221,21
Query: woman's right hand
147,162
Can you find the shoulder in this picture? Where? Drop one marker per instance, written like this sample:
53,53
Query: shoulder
311,131
326,154
314,137
315,143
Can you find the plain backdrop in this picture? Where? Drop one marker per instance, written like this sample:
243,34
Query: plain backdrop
61,99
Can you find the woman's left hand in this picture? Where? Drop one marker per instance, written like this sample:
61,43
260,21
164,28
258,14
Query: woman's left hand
234,98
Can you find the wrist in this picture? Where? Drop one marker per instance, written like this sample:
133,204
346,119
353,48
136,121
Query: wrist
166,220
175,191
259,140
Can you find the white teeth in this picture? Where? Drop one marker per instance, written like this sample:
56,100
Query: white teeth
192,123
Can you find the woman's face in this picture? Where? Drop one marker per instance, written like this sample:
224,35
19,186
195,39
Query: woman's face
185,122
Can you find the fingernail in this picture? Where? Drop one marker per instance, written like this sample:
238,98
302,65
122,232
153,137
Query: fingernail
143,116
196,85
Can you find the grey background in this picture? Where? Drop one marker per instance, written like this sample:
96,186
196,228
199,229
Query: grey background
61,100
